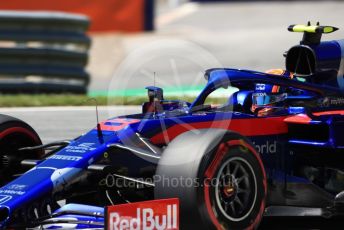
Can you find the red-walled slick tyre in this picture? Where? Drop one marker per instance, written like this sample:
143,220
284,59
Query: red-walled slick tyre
218,177
15,134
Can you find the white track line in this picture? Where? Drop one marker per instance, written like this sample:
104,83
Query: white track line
66,108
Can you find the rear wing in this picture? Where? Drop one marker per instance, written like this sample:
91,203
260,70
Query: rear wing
312,33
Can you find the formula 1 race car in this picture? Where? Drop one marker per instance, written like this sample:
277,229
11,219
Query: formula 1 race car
274,147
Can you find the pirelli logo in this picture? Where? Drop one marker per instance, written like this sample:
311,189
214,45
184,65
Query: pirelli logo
65,158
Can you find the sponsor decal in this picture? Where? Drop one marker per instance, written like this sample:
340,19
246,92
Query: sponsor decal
259,94
81,148
328,101
65,158
337,101
117,124
267,147
325,102
260,87
14,189
4,198
147,215
17,187
12,192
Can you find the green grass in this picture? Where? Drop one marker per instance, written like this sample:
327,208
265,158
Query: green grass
23,100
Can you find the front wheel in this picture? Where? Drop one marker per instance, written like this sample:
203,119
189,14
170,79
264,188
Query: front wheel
222,181
15,134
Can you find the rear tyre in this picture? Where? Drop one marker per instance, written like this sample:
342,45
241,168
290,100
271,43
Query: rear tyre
15,134
218,177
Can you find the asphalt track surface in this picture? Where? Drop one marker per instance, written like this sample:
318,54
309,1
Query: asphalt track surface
61,123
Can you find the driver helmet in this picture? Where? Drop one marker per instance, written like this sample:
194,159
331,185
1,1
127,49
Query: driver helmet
267,98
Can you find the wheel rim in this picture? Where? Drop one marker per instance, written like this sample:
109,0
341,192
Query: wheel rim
236,189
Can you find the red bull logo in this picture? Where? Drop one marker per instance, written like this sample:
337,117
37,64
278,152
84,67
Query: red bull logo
148,215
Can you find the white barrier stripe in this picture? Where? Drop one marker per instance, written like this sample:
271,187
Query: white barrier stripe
180,12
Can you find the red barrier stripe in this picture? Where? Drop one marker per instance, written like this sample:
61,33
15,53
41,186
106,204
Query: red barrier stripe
105,15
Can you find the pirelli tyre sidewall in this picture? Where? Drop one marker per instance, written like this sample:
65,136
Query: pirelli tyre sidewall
15,134
200,205
235,155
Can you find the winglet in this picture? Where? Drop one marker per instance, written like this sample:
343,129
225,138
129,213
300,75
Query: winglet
312,29
311,33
